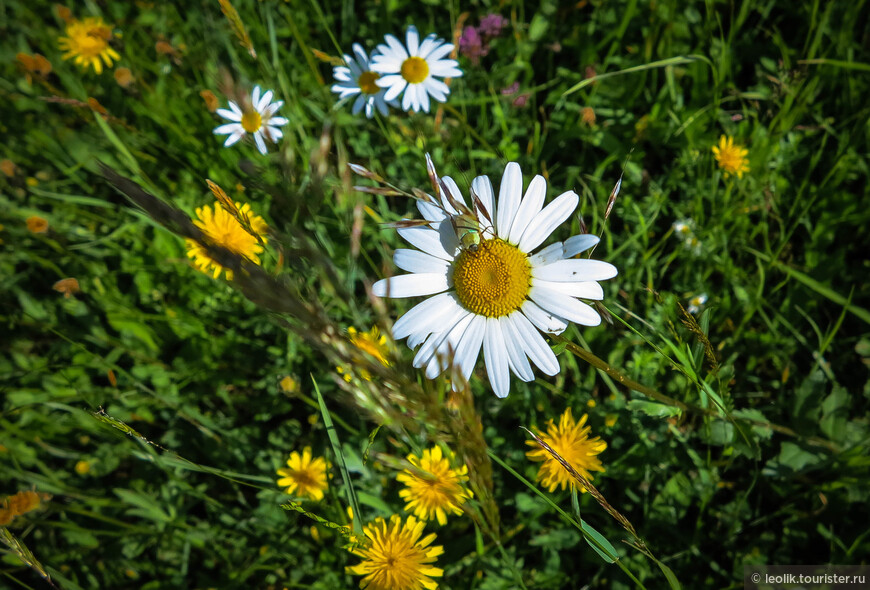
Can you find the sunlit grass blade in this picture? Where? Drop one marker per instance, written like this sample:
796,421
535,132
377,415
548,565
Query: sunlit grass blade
336,448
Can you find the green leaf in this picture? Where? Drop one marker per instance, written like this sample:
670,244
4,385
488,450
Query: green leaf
654,409
608,550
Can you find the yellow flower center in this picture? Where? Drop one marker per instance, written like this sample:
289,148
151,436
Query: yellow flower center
415,70
368,82
493,281
90,41
730,157
251,121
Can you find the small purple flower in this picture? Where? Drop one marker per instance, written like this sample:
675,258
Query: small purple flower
512,89
521,100
492,25
471,45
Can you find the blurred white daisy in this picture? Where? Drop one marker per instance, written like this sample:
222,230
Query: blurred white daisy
413,68
358,78
498,294
256,118
696,302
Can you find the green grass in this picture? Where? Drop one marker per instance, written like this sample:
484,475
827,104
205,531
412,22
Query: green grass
740,437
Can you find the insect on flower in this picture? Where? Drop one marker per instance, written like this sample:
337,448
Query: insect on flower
465,221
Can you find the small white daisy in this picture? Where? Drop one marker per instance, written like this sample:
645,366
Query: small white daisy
413,69
497,295
358,78
696,302
257,118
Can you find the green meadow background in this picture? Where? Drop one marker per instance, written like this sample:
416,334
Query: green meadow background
739,438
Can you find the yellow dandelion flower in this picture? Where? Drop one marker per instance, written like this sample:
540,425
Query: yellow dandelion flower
225,230
37,224
20,503
83,467
87,42
211,101
288,384
571,440
124,77
731,158
372,343
304,475
396,558
433,489
68,286
8,168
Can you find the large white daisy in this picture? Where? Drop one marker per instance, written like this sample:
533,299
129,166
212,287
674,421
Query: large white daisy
257,118
498,295
358,78
414,69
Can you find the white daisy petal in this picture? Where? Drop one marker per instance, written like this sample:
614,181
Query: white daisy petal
341,74
361,57
468,348
438,321
565,306
413,285
261,144
534,345
228,128
551,253
417,261
428,45
577,244
482,187
434,91
344,90
575,270
395,90
517,359
445,71
278,121
548,220
390,80
454,192
409,99
358,104
274,133
430,212
381,104
438,349
439,52
430,241
235,108
582,289
264,102
530,206
427,315
423,97
542,319
495,356
236,136
255,96
509,198
436,87
412,38
397,47
229,115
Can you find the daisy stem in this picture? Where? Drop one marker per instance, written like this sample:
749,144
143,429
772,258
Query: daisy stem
683,406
